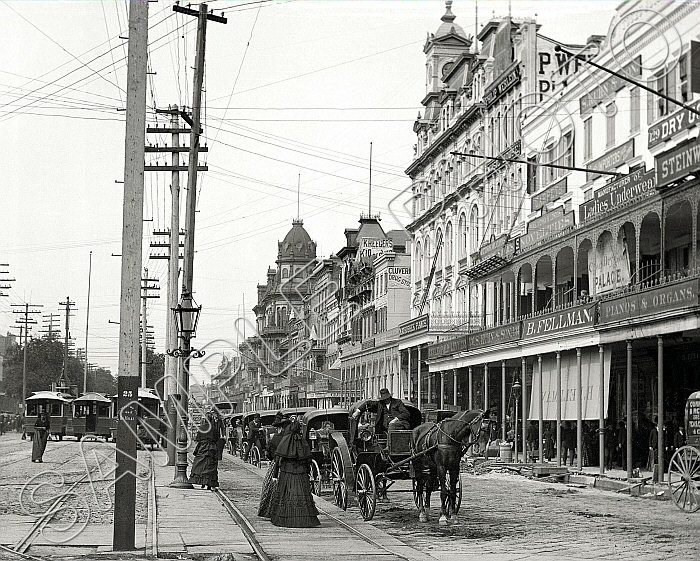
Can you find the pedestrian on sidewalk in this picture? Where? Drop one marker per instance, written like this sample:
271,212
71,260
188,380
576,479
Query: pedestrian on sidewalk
268,486
292,503
205,467
41,436
568,443
622,444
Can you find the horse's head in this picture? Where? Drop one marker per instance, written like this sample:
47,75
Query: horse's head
466,425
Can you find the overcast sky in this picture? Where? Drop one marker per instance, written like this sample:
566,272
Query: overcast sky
295,87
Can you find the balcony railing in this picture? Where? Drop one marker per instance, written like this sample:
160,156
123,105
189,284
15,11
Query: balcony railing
455,321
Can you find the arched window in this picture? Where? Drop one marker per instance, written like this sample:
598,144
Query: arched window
440,257
462,235
418,261
426,257
448,244
474,230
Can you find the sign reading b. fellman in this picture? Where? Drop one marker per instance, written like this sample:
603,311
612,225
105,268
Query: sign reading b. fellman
558,322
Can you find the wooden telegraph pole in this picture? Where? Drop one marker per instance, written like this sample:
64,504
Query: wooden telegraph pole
123,538
180,479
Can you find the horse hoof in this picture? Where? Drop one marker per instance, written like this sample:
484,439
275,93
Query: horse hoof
454,519
443,521
422,517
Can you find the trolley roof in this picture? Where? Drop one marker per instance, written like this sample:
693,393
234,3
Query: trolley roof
148,393
93,396
54,396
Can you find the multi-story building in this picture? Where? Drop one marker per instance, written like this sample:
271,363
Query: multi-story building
591,292
374,297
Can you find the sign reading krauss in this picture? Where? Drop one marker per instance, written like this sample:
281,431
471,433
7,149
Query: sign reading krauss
495,336
678,163
611,160
667,298
572,318
636,185
416,325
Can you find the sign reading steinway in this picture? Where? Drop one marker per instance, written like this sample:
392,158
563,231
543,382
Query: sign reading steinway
572,318
678,163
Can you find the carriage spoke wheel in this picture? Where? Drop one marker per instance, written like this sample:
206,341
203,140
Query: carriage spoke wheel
255,456
340,489
315,478
458,494
366,489
684,478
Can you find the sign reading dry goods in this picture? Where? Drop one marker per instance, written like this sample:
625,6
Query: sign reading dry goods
544,226
663,299
416,325
495,336
611,160
678,163
558,322
451,346
679,121
636,185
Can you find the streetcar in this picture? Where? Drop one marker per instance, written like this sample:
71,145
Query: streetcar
150,428
56,404
92,414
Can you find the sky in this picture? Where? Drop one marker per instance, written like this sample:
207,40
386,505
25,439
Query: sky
295,92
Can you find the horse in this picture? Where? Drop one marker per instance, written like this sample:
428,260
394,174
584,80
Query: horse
439,449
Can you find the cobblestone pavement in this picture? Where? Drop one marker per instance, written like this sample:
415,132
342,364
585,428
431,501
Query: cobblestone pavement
506,516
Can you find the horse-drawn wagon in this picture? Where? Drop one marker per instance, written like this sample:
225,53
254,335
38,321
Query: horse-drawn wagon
317,426
684,467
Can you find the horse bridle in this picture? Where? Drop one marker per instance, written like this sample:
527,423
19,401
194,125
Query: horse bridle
478,419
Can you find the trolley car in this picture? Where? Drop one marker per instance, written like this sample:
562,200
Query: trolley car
93,414
684,467
150,428
56,404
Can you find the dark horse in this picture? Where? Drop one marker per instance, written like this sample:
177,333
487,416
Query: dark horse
441,447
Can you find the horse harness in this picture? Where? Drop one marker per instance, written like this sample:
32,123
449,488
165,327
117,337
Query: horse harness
437,430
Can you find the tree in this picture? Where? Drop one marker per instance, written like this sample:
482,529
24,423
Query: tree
155,368
101,380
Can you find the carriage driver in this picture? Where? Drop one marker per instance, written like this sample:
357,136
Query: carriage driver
391,413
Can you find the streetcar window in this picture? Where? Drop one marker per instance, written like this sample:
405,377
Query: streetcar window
103,410
56,409
32,409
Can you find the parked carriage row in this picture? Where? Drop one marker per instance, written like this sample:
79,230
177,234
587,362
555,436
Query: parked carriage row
94,414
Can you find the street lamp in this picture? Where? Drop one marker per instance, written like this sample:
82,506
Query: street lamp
186,318
516,396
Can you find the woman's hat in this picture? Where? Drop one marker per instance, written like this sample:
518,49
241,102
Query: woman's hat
280,420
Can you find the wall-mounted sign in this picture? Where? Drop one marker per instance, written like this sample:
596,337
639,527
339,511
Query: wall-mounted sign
554,67
636,185
502,86
448,347
550,194
612,159
678,163
371,247
416,325
496,336
612,263
555,221
399,277
664,299
604,93
558,322
368,344
692,413
670,126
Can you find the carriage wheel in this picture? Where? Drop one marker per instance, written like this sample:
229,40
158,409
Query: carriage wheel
315,478
366,490
244,449
340,489
458,498
684,478
255,456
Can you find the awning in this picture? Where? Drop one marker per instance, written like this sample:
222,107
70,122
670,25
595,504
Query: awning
486,267
335,365
590,382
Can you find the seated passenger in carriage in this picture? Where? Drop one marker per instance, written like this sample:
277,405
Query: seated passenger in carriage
391,413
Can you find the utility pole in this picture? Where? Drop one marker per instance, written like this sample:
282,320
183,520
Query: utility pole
190,207
87,326
123,538
24,324
4,280
50,325
68,304
145,295
171,362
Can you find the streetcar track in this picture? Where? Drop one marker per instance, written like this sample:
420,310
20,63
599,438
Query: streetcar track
244,524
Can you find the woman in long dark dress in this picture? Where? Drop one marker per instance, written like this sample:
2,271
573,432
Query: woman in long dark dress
41,435
268,486
205,467
292,503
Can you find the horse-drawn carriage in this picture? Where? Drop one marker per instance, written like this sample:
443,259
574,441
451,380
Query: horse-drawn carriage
234,432
368,463
684,467
255,440
316,427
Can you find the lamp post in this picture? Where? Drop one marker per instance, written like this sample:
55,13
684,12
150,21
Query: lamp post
516,396
186,318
